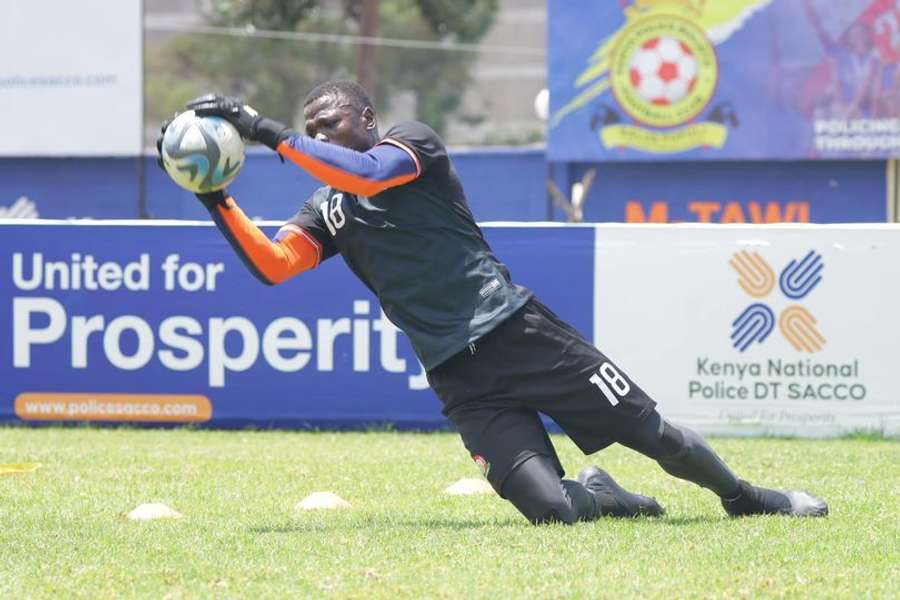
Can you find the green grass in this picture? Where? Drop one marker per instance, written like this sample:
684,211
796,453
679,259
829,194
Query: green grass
62,533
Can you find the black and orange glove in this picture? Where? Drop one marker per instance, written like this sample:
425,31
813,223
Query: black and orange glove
159,141
249,123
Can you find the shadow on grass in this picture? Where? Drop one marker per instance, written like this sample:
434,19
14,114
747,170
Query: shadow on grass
679,521
430,524
300,527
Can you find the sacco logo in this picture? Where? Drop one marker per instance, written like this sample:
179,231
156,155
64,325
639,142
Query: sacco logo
797,280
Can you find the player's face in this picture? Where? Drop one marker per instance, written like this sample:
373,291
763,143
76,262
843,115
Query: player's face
336,120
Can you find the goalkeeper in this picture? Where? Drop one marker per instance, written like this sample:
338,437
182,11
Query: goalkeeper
395,210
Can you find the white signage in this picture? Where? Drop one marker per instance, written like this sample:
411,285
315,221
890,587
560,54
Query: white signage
70,78
784,330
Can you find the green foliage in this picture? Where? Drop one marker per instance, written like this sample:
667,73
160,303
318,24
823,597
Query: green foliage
63,535
468,20
437,79
274,75
263,14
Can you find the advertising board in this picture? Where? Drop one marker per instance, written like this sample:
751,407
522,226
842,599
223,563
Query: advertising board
723,79
162,322
71,75
734,329
783,329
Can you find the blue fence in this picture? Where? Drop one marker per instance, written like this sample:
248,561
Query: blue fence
735,192
502,185
160,322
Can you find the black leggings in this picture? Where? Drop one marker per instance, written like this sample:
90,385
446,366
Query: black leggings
537,491
534,487
683,453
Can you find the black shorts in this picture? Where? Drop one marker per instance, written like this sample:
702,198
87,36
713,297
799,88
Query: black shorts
535,363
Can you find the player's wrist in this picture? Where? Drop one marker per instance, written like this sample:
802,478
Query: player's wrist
270,132
212,200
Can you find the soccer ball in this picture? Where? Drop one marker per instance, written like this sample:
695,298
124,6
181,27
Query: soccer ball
202,154
663,71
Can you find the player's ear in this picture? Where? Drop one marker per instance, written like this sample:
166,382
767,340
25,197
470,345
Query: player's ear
368,115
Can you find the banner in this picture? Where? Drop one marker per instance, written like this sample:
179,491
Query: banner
720,192
70,78
750,330
723,79
66,188
782,330
131,188
161,322
736,192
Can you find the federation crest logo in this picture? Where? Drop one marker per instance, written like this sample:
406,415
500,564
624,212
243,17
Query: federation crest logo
663,71
796,281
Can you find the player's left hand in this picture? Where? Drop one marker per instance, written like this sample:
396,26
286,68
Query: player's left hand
243,116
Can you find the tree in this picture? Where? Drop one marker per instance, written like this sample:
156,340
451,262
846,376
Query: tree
273,74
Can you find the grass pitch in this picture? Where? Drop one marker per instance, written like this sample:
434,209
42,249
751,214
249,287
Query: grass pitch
62,533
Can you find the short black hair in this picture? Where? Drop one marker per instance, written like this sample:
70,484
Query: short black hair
341,87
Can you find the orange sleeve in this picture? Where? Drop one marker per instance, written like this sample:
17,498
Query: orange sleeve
270,261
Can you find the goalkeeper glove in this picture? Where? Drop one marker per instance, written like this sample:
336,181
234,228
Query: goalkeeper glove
244,117
159,141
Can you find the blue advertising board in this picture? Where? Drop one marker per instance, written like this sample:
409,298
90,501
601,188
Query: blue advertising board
162,323
60,188
268,189
504,185
723,79
732,192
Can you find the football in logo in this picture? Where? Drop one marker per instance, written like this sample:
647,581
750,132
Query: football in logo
663,71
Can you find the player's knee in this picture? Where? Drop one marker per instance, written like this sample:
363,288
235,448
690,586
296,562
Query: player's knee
542,505
537,491
688,456
676,441
682,442
554,510
575,503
